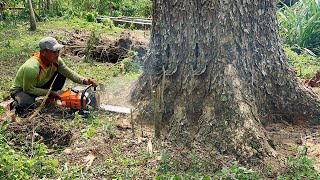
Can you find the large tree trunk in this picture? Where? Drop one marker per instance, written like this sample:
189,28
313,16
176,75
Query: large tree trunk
33,25
218,71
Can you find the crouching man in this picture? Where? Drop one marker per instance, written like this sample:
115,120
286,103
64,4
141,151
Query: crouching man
36,75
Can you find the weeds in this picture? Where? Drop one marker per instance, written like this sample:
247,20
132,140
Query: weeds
89,132
108,128
299,26
92,41
164,165
299,166
17,166
305,65
235,172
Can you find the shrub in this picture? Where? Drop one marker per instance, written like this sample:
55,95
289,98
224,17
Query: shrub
108,23
305,65
298,166
90,17
130,65
144,8
300,25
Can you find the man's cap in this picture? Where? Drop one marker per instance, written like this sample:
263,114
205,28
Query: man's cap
50,43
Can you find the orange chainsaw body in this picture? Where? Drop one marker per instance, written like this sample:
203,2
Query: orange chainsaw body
72,99
80,98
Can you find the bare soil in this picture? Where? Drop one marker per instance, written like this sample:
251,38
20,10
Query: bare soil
287,137
108,48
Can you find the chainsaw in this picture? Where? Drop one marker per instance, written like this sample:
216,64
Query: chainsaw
80,98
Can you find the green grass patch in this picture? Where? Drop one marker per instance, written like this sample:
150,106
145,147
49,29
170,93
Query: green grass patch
300,27
299,166
18,166
305,65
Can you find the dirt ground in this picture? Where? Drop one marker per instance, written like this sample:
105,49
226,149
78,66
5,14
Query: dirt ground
287,137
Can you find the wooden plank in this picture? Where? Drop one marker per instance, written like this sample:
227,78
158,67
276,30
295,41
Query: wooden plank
134,20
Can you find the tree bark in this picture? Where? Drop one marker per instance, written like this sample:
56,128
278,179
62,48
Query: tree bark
2,7
33,25
48,5
222,71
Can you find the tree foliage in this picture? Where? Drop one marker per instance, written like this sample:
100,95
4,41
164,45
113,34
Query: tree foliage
78,8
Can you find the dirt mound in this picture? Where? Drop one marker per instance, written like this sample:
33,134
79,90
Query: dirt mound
107,48
47,130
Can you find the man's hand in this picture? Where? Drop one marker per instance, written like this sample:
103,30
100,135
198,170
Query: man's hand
54,94
89,81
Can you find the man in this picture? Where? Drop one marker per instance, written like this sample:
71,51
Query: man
36,75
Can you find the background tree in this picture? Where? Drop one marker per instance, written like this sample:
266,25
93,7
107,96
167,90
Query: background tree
2,7
33,25
48,5
217,72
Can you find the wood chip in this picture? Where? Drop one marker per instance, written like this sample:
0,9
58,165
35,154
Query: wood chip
88,160
149,147
124,124
158,158
67,151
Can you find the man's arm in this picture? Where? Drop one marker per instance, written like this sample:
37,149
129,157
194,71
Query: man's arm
29,82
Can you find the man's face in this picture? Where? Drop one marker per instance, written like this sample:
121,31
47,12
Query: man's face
51,56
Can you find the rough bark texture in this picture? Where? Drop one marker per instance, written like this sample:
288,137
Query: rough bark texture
33,25
217,70
48,5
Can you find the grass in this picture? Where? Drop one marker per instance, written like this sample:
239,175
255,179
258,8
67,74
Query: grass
299,26
305,65
18,44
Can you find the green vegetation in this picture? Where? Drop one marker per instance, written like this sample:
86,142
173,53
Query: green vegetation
300,26
15,165
83,9
300,30
304,64
298,166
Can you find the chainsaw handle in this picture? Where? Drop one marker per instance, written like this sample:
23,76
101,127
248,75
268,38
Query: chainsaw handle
74,90
82,96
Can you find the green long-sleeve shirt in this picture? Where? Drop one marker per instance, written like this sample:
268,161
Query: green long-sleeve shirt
28,80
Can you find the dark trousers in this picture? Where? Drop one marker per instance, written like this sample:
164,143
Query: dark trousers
23,101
